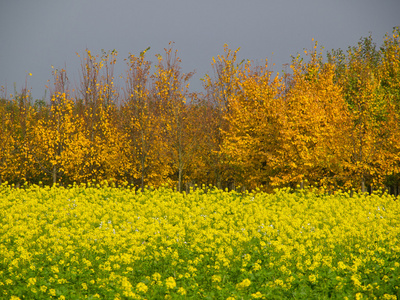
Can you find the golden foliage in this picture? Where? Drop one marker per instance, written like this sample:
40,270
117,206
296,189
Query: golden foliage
331,122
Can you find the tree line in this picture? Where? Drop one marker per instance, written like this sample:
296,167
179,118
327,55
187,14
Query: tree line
332,121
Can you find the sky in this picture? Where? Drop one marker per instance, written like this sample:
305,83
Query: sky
34,35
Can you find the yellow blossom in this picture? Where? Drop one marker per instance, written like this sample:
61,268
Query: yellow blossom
170,283
244,284
31,281
43,288
216,278
141,287
182,291
257,295
312,278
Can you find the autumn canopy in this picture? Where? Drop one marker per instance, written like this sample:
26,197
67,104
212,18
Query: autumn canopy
332,120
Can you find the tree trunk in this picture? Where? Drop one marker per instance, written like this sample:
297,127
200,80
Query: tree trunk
54,175
179,179
218,181
363,184
142,174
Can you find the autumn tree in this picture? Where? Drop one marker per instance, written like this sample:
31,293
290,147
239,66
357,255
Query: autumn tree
255,118
52,130
21,121
368,109
141,125
219,89
9,167
95,102
171,94
316,122
389,79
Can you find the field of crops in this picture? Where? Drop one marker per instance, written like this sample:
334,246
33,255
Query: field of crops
113,243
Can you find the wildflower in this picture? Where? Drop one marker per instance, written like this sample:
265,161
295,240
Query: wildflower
216,278
356,281
156,276
142,287
43,288
279,282
52,292
341,265
84,286
312,278
182,291
55,269
170,283
257,295
244,284
31,281
257,267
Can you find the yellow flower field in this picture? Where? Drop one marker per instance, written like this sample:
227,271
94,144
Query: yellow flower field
114,243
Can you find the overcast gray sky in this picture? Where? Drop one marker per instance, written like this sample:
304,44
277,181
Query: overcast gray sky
37,34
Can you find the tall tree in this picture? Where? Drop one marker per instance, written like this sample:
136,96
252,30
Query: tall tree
96,100
171,94
219,88
141,125
9,167
316,122
369,111
389,76
22,121
255,119
50,135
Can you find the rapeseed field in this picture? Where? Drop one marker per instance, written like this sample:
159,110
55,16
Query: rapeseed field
88,242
